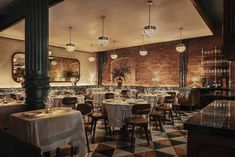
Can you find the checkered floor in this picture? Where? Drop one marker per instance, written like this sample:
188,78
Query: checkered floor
172,142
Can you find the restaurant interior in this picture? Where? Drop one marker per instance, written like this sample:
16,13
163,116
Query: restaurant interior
122,78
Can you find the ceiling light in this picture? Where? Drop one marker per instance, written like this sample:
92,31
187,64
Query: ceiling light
70,47
114,55
149,30
91,58
180,47
103,40
143,51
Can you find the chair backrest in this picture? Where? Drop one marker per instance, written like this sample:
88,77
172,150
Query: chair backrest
160,101
70,101
124,92
109,96
173,94
12,146
169,99
141,109
85,109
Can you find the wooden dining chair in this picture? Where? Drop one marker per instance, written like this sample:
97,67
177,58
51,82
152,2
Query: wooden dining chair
167,109
109,96
156,114
140,118
99,115
70,101
86,111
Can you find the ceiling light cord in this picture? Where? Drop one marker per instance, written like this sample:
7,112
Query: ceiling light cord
181,35
102,17
149,3
70,29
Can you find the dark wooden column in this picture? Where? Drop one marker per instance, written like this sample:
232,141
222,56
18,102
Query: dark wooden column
229,29
36,53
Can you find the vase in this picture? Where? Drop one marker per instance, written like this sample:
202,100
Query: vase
119,82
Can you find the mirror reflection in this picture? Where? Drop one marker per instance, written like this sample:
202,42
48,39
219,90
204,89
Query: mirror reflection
60,69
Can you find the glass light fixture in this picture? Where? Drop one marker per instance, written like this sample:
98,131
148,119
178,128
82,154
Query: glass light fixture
70,47
180,47
114,55
149,30
91,58
143,51
103,40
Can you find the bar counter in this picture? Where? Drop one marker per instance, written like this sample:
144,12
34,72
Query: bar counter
211,132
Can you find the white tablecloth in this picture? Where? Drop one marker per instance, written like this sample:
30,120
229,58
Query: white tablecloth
115,109
58,99
51,131
98,97
7,109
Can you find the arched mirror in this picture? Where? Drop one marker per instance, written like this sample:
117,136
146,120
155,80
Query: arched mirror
60,69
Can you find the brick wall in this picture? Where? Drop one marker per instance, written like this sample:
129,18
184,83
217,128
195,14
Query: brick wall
162,61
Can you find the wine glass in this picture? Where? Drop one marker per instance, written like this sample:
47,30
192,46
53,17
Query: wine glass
48,101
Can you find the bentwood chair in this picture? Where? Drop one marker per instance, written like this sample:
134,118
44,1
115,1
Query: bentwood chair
156,115
86,111
70,101
140,119
166,108
109,96
99,115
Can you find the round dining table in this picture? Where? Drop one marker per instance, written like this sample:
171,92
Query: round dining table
118,109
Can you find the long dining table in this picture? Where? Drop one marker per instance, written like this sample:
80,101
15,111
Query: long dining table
116,108
49,131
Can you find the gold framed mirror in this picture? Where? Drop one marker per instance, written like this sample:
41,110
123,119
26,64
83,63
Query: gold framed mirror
60,69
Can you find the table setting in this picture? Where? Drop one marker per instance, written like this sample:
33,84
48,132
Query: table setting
50,128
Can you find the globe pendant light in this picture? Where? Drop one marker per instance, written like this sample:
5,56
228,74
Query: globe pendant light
103,40
114,55
143,51
91,58
70,47
180,47
149,30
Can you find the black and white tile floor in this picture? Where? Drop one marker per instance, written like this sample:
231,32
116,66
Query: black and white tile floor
172,142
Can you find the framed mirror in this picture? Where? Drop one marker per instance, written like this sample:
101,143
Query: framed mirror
60,69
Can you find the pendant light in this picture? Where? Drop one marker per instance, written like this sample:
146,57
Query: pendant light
180,47
149,30
103,40
114,55
91,58
143,51
70,47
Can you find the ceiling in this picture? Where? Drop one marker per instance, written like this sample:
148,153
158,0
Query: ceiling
124,22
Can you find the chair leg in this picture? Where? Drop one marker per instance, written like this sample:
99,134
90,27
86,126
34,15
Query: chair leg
71,151
160,123
94,127
146,133
87,142
132,135
164,116
171,115
105,125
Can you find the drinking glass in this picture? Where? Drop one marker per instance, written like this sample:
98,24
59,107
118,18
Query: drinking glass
48,101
